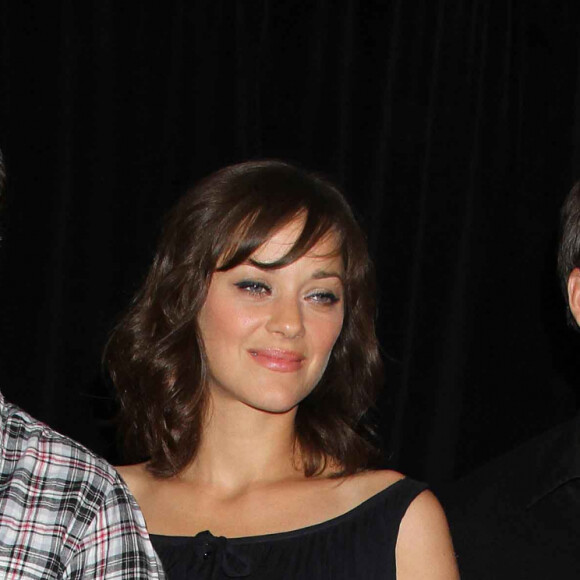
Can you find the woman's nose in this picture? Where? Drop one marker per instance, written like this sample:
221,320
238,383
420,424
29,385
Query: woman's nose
286,318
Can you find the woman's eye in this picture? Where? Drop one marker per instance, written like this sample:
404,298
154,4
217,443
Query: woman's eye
324,297
253,287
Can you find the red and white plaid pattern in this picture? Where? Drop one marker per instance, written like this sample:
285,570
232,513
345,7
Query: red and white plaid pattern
64,512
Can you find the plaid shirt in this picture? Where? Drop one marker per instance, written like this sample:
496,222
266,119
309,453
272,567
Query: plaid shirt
64,513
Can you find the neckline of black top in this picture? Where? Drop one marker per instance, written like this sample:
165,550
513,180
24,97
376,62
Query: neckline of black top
350,514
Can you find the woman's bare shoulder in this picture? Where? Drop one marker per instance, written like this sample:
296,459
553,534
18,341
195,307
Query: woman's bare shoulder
364,485
424,543
137,477
376,480
380,477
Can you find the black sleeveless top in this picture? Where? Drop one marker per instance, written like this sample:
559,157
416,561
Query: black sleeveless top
359,544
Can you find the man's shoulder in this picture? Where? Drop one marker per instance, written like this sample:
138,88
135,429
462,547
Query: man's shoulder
64,511
28,446
517,516
517,477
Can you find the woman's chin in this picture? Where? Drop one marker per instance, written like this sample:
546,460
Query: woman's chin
275,405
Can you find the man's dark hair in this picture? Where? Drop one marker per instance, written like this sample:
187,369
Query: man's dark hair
569,249
156,356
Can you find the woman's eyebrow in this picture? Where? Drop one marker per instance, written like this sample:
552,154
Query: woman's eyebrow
255,264
316,275
321,274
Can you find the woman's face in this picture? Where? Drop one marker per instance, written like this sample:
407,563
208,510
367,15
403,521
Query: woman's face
268,334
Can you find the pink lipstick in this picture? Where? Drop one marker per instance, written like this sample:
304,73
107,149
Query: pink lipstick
282,361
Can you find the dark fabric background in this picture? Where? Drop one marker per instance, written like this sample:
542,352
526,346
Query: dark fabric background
452,124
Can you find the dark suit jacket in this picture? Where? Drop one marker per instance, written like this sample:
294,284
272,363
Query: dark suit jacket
519,516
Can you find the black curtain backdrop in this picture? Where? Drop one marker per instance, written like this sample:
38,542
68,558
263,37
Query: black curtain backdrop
452,125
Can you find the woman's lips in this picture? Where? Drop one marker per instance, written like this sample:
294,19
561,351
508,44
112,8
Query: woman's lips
283,361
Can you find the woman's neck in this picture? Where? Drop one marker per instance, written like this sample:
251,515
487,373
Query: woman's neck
242,447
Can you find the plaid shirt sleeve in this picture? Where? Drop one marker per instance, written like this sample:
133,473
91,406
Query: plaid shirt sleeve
116,545
64,512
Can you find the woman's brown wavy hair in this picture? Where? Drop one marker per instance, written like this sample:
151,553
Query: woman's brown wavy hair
156,356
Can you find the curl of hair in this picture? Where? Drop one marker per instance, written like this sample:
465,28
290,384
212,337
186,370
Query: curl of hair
156,357
569,248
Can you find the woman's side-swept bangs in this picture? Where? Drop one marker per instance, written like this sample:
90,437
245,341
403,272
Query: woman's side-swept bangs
251,236
261,198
